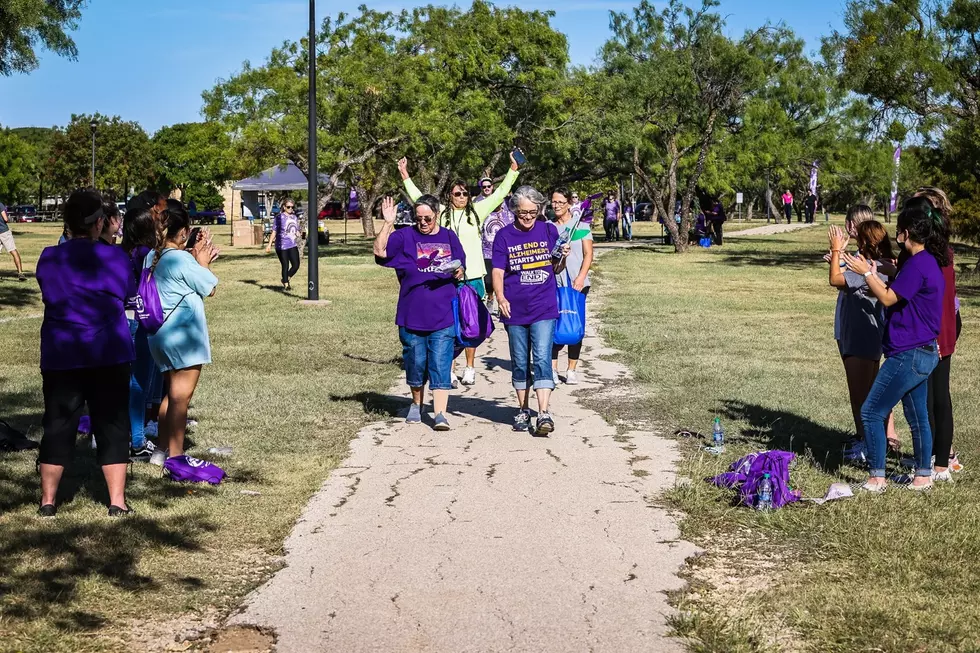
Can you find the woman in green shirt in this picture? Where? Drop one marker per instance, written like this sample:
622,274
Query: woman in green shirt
459,214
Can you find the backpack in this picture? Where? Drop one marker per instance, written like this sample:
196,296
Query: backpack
192,470
747,472
469,313
146,304
13,440
483,322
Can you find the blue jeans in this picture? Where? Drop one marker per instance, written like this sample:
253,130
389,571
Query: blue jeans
145,384
541,337
902,377
628,229
428,357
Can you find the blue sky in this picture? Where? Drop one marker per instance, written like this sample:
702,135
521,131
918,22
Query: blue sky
149,60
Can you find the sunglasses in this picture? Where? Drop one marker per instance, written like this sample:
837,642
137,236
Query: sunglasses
426,219
461,193
288,208
487,187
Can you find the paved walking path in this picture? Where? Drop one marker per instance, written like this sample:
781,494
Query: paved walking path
483,539
770,229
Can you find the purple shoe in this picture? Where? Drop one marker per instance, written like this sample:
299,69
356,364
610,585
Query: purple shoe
192,470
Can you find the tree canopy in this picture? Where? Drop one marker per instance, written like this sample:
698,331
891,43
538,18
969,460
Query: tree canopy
26,25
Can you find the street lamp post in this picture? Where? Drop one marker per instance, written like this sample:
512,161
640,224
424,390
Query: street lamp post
94,125
313,292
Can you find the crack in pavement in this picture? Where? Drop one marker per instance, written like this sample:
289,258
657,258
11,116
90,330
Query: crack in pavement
395,493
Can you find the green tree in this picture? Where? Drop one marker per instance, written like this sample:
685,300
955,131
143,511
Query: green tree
16,158
195,158
123,156
26,25
673,85
42,164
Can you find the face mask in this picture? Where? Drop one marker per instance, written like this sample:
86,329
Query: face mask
901,244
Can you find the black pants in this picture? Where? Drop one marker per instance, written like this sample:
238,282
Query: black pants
106,390
289,259
941,412
612,229
788,208
715,226
574,351
488,278
808,212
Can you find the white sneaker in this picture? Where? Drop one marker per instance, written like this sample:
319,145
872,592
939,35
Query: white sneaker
151,430
554,376
158,458
942,477
571,378
94,445
469,376
454,380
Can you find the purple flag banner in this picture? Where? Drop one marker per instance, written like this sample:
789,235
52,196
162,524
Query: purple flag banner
898,162
813,178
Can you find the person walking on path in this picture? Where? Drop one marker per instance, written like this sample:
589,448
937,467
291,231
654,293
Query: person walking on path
459,214
285,236
428,259
912,323
613,214
496,220
810,207
940,400
524,274
86,350
182,345
788,205
7,242
577,266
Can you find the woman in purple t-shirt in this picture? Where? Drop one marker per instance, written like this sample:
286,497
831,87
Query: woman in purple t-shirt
285,236
428,260
527,293
86,350
913,304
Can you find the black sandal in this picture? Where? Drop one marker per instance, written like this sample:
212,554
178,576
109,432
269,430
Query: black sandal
47,510
116,511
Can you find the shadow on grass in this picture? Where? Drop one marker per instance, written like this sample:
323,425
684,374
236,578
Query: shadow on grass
395,360
796,260
17,294
778,429
257,284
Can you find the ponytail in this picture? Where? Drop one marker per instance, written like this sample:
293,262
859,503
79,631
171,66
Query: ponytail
926,225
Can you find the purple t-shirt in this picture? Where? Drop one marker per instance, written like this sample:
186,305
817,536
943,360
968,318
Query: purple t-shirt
529,275
612,211
426,294
914,320
85,286
286,227
492,225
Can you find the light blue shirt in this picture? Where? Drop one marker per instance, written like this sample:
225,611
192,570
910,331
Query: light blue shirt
183,283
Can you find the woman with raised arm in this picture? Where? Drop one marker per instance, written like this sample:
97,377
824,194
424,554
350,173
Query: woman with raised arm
459,214
428,260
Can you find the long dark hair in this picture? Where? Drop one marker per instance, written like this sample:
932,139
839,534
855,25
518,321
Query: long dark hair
175,220
139,229
926,225
471,215
873,241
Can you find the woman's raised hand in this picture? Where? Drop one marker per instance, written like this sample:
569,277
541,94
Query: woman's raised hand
388,209
858,264
403,167
838,239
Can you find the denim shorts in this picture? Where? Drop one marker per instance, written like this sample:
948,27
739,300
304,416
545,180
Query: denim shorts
428,357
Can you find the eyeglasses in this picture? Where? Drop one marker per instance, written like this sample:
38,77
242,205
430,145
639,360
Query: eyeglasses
527,214
559,203
425,218
461,193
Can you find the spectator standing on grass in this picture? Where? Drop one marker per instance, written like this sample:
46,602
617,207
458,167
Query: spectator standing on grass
86,350
285,235
527,292
716,218
182,346
577,265
428,260
7,242
788,205
628,217
940,399
810,207
613,214
913,316
497,219
140,235
459,214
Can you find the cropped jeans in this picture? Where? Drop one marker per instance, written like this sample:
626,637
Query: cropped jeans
428,357
903,377
145,385
530,349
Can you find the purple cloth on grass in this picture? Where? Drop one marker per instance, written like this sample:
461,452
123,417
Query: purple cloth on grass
747,472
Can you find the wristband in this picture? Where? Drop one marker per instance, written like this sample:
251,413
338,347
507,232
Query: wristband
867,274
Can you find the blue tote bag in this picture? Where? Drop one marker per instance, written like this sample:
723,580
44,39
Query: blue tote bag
570,329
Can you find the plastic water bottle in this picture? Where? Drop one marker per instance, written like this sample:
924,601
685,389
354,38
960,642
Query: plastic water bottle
563,239
764,494
718,436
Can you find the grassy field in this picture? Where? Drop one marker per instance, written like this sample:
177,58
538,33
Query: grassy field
745,332
289,387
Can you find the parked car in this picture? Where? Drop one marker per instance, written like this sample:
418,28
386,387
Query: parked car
216,216
23,213
332,210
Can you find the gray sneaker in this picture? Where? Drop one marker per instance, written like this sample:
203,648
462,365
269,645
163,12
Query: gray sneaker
545,424
523,421
158,457
414,414
442,424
